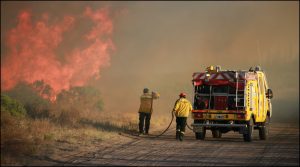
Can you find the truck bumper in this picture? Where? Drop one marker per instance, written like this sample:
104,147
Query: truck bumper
198,127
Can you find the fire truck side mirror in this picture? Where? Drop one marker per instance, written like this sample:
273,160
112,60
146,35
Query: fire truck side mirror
269,94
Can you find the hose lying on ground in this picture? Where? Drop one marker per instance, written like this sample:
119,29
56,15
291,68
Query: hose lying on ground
154,136
167,127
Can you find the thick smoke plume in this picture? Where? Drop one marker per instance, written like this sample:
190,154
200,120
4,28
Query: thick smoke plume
32,51
161,44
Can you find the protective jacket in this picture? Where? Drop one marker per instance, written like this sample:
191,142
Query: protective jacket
182,108
147,102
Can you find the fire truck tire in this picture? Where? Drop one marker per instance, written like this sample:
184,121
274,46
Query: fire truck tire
200,135
264,130
216,133
248,135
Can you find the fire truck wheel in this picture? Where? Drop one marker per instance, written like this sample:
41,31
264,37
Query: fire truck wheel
248,135
216,133
200,135
264,130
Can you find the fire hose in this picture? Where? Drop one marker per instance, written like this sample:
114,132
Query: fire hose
154,136
168,125
189,127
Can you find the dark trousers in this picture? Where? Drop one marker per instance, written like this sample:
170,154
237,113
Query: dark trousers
180,126
144,117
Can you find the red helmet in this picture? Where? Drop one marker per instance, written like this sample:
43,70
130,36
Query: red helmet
182,95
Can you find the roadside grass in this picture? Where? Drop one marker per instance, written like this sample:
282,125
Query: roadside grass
24,136
21,136
111,122
30,123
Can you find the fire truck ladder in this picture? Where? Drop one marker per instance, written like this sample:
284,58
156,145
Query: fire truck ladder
236,91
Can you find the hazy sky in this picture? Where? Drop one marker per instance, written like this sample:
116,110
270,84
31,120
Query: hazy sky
160,44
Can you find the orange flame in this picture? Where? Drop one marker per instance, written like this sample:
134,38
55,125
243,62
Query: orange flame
31,52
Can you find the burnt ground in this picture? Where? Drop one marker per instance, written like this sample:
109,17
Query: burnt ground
281,149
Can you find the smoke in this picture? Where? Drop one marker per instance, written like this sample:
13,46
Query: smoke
161,44
32,51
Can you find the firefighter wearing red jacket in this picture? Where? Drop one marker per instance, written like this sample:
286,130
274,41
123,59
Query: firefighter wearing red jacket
181,110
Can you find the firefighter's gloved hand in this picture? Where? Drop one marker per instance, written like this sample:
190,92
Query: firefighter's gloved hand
155,95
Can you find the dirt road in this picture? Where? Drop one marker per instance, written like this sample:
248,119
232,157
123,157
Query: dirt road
282,148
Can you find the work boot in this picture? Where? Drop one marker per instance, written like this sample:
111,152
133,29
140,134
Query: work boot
181,136
141,133
177,135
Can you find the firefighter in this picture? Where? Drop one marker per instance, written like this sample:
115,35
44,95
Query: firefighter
146,109
181,110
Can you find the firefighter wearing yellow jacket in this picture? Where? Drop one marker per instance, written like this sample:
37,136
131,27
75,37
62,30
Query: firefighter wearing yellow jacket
145,111
181,110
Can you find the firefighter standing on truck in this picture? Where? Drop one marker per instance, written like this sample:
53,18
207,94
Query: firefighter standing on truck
181,110
146,109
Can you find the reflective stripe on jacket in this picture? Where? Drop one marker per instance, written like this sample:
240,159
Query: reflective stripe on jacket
182,108
146,103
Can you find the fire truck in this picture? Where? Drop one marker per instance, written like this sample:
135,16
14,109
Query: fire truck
231,100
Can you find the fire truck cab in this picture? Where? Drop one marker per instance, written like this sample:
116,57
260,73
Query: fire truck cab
231,100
